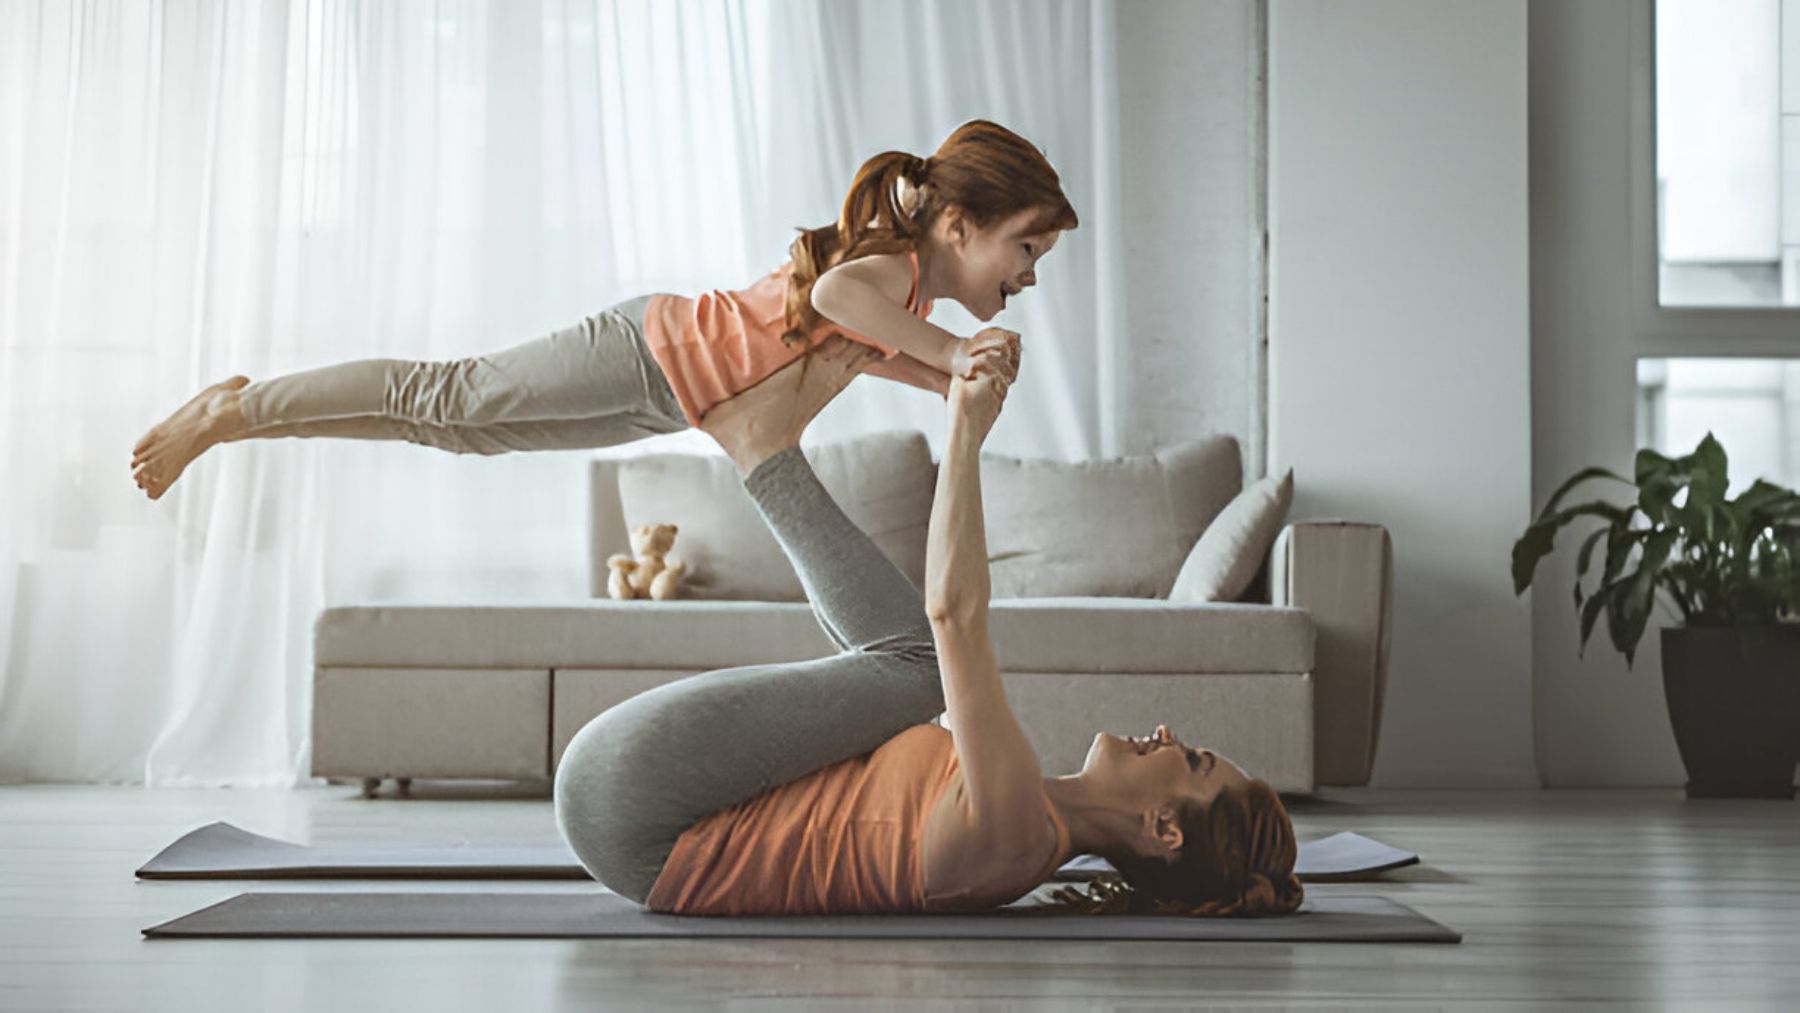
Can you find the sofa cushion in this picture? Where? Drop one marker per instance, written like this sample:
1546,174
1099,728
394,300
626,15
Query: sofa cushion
883,482
1225,559
1116,526
1032,634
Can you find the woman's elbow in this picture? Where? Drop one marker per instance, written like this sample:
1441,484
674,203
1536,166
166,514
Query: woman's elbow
956,610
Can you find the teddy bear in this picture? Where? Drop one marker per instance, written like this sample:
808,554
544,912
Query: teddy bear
650,573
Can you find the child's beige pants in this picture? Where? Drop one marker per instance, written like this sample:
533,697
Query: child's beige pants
592,384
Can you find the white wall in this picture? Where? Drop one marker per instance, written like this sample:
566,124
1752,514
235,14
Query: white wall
1190,103
1399,368
1599,724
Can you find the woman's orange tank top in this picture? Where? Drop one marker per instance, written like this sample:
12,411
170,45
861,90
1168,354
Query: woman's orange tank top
845,839
722,342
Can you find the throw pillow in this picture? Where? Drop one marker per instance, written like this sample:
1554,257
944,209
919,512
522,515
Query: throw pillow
1115,527
1231,551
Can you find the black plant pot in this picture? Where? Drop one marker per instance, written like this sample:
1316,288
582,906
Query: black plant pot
1734,702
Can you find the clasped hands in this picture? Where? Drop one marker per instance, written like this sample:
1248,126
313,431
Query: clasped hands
983,371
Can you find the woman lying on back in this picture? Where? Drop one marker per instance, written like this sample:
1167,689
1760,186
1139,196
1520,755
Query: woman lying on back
822,787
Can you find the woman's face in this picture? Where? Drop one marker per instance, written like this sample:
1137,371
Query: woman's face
1159,768
989,265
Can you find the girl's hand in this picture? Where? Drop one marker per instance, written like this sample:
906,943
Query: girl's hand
1003,342
992,341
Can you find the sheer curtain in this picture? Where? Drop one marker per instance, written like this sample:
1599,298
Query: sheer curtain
193,190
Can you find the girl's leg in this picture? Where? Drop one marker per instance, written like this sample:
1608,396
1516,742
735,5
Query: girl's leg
640,774
596,367
599,368
497,438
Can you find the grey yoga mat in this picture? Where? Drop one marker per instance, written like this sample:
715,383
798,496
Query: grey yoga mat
592,914
222,851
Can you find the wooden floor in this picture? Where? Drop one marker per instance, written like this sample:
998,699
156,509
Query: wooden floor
1564,899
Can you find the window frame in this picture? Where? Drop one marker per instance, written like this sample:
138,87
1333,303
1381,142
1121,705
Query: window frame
1660,331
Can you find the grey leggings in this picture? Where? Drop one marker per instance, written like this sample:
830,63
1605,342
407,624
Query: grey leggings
647,769
591,384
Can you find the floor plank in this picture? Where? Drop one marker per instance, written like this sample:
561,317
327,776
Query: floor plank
1565,898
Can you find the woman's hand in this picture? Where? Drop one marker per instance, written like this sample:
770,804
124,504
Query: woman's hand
989,340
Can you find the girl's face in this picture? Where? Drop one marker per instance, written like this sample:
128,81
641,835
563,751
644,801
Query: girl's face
987,266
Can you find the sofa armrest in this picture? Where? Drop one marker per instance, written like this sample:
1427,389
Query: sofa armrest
1342,573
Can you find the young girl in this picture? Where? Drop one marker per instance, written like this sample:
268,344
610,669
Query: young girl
968,223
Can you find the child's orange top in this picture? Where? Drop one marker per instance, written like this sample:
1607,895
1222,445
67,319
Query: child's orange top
845,839
722,343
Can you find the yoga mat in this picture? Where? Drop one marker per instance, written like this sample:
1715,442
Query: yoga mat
594,914
222,851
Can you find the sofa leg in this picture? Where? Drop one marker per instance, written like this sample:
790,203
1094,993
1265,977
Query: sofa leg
371,785
405,786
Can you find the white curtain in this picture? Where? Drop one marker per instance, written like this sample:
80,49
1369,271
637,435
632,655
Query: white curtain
191,190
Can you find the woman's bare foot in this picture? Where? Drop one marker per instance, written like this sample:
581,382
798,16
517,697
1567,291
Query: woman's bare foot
769,417
167,449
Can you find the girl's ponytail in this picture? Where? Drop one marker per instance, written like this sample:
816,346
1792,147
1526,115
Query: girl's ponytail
872,221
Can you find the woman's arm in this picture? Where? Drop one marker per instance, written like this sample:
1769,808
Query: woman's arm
1004,781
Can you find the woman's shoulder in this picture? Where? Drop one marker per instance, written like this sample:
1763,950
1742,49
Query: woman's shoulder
962,870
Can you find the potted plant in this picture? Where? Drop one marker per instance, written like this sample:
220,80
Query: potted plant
1731,669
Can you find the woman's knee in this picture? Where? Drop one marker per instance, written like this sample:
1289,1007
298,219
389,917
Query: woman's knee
603,798
916,645
913,658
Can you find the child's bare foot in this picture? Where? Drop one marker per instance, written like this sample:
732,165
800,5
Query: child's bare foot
166,450
769,417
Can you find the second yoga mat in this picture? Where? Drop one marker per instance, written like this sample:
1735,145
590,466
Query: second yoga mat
223,851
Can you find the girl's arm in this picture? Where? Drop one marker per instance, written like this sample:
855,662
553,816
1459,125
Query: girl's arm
905,369
1004,781
868,295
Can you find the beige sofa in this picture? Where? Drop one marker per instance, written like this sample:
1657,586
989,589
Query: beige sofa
1287,679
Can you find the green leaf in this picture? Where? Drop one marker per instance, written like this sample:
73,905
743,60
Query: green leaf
1606,593
1636,602
1578,478
1533,545
1760,496
1584,557
1656,484
1707,473
1586,554
1540,538
1618,547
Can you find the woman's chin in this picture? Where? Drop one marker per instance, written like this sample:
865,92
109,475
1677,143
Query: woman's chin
1092,759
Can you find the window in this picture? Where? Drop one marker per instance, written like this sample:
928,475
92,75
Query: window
1728,152
1751,406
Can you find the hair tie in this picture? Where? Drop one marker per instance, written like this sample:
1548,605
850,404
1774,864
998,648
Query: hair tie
912,196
